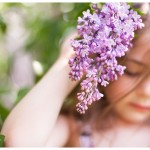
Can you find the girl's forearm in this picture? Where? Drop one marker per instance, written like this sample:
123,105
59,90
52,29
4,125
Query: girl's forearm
32,120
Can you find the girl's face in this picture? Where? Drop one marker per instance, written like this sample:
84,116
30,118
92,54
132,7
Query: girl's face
135,106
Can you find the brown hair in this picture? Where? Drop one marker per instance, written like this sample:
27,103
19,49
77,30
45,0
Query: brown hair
104,117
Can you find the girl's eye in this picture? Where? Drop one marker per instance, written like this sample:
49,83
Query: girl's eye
132,74
134,69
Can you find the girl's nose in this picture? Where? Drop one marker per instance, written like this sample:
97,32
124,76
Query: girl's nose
143,88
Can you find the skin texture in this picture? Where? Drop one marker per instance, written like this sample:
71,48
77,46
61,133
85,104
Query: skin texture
35,121
135,107
36,118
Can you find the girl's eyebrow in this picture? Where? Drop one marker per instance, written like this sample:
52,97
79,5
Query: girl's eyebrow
136,61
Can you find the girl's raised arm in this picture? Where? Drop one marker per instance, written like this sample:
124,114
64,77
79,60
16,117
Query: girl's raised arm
33,119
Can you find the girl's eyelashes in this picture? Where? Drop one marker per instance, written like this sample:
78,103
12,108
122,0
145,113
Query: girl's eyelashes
134,68
132,74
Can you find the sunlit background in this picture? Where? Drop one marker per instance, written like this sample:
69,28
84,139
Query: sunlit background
30,38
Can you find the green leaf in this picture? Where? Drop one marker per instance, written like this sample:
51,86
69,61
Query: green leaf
2,137
21,93
2,25
3,114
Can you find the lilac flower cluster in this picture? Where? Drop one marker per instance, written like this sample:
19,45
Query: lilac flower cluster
105,35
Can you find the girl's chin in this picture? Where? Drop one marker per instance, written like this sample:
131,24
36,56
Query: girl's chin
134,118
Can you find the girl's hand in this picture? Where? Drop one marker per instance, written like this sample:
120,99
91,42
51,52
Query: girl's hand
66,51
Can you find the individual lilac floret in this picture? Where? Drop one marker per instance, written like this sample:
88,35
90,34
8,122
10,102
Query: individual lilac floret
105,35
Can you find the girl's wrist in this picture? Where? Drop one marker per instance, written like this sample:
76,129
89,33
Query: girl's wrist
59,74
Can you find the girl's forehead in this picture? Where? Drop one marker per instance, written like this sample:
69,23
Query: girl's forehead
143,37
140,54
141,47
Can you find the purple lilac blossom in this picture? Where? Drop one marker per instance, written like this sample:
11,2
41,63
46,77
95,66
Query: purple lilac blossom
105,35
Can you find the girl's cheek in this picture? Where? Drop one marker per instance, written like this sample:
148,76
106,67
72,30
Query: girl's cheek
117,89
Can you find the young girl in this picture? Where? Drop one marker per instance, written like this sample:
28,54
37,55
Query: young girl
121,118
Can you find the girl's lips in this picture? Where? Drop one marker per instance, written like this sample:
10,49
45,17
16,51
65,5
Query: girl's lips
140,107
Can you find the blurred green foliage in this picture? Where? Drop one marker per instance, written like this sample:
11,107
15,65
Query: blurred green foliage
44,40
2,25
21,93
2,137
47,24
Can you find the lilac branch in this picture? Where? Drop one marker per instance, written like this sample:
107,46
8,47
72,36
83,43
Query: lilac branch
107,35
